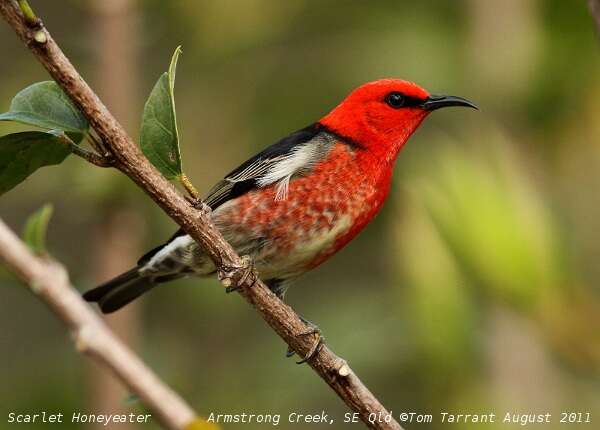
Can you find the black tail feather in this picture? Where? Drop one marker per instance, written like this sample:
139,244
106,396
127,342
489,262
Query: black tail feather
118,292
94,295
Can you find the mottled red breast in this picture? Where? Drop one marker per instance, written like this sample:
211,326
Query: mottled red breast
323,211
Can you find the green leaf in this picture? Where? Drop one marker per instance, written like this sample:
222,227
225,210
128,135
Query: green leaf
34,232
21,154
45,105
159,138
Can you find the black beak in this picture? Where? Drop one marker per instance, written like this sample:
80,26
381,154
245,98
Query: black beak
436,102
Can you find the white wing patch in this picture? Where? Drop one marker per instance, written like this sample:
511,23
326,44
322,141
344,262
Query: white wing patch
254,170
280,172
275,169
180,243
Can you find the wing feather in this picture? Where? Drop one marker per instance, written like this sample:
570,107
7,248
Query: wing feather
278,164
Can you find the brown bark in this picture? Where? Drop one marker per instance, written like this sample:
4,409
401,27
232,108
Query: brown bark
49,281
197,223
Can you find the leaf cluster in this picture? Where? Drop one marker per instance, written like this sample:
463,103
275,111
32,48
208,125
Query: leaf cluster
60,128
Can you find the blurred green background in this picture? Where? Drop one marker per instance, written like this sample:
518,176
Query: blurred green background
477,289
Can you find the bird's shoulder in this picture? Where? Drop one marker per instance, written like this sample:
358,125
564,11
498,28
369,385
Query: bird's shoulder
291,157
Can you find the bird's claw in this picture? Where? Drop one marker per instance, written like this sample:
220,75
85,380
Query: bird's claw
199,204
236,277
195,202
316,346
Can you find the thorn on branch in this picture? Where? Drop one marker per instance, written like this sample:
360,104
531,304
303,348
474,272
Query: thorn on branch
40,37
343,370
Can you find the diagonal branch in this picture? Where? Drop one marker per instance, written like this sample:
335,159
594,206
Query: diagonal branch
197,223
49,281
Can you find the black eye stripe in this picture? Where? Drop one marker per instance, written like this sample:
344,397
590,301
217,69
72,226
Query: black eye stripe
397,100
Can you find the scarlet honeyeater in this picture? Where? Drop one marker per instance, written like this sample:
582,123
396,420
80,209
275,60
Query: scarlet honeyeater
293,205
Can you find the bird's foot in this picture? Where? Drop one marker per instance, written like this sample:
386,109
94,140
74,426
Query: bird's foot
195,202
236,277
199,204
313,329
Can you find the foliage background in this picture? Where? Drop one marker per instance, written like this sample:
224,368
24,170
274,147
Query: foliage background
476,289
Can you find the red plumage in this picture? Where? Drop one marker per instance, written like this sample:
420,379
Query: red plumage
343,185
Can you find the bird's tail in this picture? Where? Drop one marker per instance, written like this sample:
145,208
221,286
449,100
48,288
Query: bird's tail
119,291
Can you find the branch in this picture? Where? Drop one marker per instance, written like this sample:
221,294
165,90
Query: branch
189,187
197,223
90,157
594,6
48,280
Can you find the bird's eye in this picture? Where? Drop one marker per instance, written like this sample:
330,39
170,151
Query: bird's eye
395,100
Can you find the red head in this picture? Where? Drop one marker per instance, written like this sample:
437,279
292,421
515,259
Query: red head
381,115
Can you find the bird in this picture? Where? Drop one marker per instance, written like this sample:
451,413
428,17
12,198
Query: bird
292,206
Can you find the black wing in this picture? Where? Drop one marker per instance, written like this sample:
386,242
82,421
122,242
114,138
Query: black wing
245,178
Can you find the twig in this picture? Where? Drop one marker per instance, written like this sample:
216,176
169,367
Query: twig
197,223
49,281
28,13
189,187
32,21
91,157
96,143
